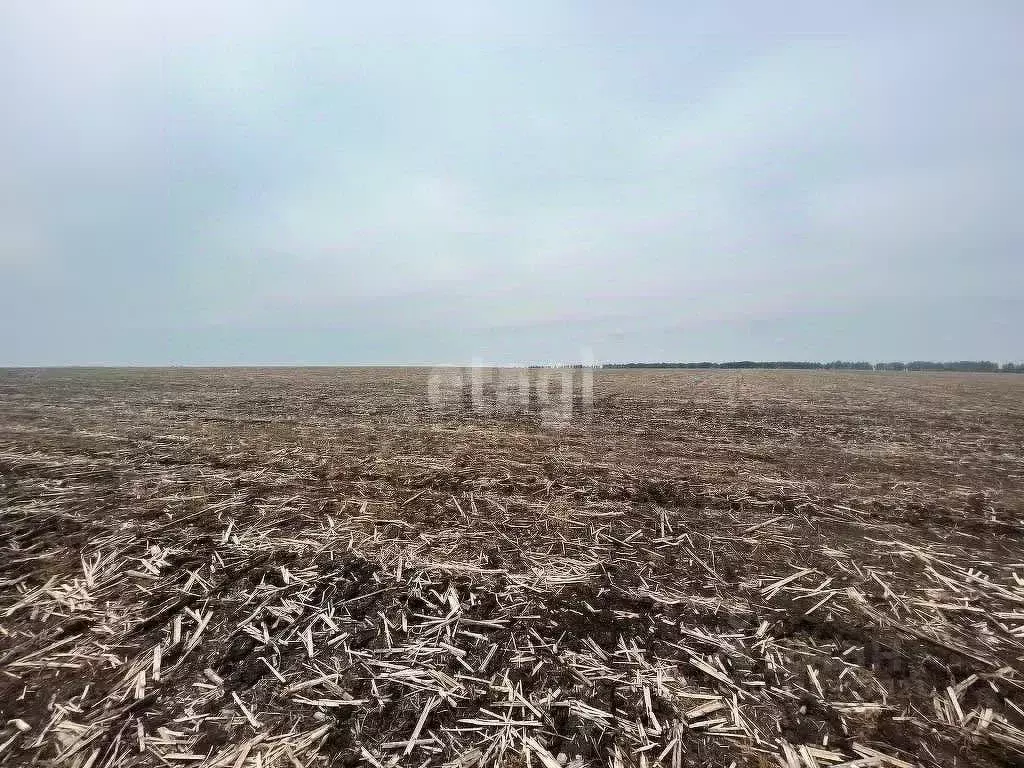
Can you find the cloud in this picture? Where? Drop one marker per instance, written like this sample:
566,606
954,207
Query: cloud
525,179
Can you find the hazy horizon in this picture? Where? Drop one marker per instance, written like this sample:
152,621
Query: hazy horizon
484,364
236,184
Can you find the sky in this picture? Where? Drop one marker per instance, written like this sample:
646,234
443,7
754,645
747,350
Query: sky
196,183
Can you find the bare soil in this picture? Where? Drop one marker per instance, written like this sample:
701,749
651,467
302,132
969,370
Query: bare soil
311,567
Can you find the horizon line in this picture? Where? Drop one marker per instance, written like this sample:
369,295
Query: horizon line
696,364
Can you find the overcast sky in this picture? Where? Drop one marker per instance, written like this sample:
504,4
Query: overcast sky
253,182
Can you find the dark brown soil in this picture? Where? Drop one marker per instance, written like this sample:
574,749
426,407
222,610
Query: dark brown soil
629,563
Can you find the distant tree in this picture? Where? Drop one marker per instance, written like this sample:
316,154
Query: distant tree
980,366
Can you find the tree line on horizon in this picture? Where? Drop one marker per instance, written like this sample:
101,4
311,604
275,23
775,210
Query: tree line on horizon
979,366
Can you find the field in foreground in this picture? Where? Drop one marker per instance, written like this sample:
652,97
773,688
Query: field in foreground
305,568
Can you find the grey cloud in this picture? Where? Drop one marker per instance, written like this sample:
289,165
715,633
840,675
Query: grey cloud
239,183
